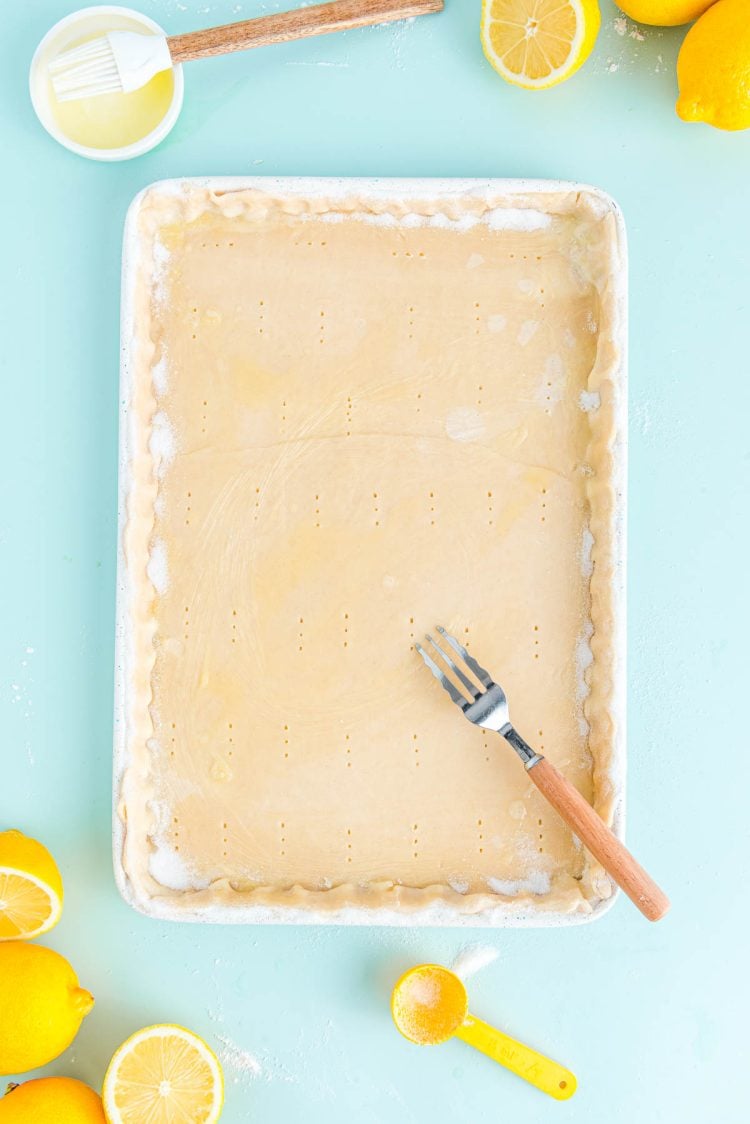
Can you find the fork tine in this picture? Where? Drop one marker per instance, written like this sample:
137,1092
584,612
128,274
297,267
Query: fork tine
444,681
472,688
483,676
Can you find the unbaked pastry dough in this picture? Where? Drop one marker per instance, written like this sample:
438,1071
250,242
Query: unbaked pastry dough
351,416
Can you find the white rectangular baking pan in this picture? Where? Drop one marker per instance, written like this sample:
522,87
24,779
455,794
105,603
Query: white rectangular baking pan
502,916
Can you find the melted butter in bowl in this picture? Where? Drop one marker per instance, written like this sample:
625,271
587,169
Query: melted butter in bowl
113,126
115,121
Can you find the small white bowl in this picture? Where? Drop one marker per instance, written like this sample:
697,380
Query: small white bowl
91,21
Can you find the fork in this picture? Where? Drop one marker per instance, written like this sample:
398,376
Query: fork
487,706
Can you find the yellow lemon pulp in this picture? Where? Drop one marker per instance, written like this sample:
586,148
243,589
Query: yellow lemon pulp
538,43
163,1074
41,1006
664,13
31,891
52,1100
713,67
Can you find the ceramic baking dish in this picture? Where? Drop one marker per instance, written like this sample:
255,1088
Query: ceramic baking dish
309,367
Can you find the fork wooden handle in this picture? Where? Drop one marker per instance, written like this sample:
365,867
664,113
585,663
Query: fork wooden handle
298,24
596,836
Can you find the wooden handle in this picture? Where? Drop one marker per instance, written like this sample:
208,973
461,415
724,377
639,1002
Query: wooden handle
594,834
298,24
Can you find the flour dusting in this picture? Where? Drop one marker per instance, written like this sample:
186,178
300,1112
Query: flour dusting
473,959
161,443
423,990
587,549
159,376
589,401
527,331
518,218
464,424
584,660
538,882
157,567
235,1058
460,885
170,870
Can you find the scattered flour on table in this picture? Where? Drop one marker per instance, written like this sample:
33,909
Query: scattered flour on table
623,37
238,1060
20,689
620,26
320,62
473,958
398,33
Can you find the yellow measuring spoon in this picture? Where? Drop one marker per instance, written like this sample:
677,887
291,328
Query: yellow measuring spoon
430,1005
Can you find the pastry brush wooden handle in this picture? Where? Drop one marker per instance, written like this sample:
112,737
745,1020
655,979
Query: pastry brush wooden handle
596,836
298,24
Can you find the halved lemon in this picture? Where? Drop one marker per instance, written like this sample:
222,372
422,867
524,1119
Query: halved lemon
538,43
164,1074
31,889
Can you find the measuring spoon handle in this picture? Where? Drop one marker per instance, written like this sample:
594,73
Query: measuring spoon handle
542,1072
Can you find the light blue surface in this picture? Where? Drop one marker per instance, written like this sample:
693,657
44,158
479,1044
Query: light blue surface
652,1018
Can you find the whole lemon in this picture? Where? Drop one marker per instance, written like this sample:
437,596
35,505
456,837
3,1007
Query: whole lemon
51,1100
713,67
664,13
41,1006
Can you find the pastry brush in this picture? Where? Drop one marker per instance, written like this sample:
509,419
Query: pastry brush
123,61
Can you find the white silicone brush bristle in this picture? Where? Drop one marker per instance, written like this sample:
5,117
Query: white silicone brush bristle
86,71
119,62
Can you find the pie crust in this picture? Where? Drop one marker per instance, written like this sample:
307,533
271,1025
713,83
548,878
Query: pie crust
351,410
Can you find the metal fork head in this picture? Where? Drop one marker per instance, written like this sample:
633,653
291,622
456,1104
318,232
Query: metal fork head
471,687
